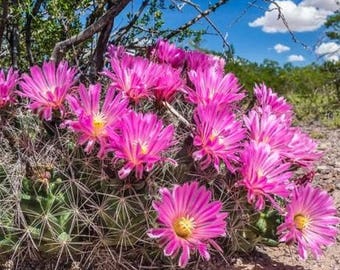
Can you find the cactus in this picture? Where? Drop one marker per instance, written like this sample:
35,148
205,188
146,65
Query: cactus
76,193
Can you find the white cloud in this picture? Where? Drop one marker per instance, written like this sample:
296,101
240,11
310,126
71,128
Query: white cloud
300,18
332,58
329,50
280,48
295,58
331,5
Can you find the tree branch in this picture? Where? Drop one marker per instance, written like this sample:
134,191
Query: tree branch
3,19
197,7
122,31
98,55
28,32
14,39
196,19
61,47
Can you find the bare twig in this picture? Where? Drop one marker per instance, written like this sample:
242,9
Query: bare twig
177,114
14,39
28,33
197,7
238,18
122,31
3,19
281,17
87,33
196,19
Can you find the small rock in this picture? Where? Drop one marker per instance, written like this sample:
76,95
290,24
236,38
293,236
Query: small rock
323,169
324,146
330,187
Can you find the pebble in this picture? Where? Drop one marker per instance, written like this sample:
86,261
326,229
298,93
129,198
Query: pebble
323,169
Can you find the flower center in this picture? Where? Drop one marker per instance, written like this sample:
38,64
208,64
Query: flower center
99,123
214,135
300,221
144,148
184,226
260,173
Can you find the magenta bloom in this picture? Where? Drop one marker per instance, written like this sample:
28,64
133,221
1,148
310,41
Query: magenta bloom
115,52
94,123
7,85
264,175
292,144
168,83
211,86
198,60
47,87
268,100
302,150
188,221
168,53
140,142
310,221
268,128
133,76
218,136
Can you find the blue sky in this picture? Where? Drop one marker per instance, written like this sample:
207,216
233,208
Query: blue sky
254,31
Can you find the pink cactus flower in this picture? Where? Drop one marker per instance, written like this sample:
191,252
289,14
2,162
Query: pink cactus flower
268,100
310,221
167,53
291,143
198,60
115,52
213,87
302,150
7,85
47,87
140,142
218,136
268,128
264,175
188,221
94,123
168,83
133,76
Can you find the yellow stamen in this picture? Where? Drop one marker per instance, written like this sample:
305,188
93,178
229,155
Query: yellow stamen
144,148
260,173
99,123
214,135
265,139
184,226
300,221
